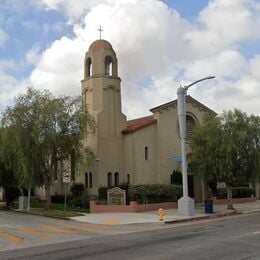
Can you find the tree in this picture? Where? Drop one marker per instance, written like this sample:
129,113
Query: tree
226,148
9,166
45,130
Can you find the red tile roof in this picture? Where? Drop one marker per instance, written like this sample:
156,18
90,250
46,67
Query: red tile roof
135,124
100,44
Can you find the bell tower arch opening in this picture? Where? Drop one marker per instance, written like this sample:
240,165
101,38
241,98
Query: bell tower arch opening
88,67
109,66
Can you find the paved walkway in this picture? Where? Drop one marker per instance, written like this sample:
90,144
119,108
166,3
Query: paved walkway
171,215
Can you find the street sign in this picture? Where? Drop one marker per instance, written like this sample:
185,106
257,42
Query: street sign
177,158
66,177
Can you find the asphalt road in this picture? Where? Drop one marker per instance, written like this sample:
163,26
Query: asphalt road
227,238
18,230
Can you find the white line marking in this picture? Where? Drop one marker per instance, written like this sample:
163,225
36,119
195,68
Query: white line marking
256,232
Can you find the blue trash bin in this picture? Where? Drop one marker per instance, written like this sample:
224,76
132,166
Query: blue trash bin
208,206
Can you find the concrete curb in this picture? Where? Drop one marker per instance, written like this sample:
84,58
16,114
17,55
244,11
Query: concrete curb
198,218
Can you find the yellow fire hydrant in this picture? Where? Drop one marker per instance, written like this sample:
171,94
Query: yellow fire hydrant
161,214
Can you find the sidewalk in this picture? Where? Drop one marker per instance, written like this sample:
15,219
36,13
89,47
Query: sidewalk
171,215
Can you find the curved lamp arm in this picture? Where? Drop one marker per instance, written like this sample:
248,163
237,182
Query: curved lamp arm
195,82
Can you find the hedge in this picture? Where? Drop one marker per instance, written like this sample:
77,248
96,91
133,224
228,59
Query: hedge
237,192
146,193
155,193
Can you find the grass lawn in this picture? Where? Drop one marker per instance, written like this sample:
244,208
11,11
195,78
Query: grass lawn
54,213
57,210
57,206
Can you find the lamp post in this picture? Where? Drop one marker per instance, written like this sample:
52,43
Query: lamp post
185,204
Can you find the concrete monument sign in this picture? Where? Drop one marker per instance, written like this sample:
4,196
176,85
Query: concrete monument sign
116,196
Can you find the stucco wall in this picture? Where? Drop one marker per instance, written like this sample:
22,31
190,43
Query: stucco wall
140,169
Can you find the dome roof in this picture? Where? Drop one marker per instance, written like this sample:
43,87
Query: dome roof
100,44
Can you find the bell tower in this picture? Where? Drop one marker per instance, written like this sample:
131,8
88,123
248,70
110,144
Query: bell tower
101,92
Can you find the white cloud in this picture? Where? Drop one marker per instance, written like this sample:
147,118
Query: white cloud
33,55
225,64
255,67
3,37
73,10
137,48
10,86
223,23
157,50
60,67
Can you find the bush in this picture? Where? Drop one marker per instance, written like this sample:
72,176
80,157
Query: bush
237,192
102,193
155,193
176,178
79,202
243,192
11,194
57,198
77,189
221,193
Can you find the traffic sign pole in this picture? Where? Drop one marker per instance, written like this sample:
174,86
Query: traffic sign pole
65,196
66,180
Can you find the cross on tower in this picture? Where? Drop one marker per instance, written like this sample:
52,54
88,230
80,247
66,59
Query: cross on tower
100,31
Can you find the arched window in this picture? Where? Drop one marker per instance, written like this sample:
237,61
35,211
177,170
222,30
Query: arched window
116,178
88,67
128,178
108,66
86,179
109,179
190,125
90,180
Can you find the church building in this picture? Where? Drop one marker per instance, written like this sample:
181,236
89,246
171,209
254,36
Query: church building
139,151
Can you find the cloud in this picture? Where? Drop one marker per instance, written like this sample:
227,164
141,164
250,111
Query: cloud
223,23
33,55
227,64
74,11
255,67
3,37
10,86
157,51
60,67
134,48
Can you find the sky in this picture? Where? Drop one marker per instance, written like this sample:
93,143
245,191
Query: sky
160,45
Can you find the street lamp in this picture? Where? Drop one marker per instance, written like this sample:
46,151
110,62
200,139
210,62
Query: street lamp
185,204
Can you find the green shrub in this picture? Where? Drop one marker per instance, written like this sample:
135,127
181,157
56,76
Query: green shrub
102,193
77,189
11,194
176,178
79,201
221,193
155,193
237,192
60,198
102,190
243,192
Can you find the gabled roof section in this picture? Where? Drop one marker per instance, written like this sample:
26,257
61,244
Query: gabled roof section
138,123
189,99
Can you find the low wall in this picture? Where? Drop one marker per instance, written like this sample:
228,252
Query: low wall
234,200
133,207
